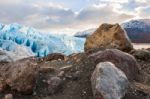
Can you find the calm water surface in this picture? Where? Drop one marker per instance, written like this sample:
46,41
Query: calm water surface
141,45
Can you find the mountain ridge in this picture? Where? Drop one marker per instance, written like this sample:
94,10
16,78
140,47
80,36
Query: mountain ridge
137,30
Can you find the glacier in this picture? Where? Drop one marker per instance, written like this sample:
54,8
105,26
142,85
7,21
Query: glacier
37,43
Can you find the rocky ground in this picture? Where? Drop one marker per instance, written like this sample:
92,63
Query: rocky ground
73,78
98,74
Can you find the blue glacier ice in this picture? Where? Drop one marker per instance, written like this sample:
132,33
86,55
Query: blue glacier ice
41,44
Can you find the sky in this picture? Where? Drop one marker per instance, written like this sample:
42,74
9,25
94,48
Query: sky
68,16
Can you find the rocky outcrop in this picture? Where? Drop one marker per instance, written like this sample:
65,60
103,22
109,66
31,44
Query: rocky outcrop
141,54
108,36
70,78
19,75
124,61
108,82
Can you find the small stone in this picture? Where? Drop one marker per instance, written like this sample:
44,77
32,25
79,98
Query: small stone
34,93
61,74
76,75
54,84
59,59
68,76
44,81
66,68
8,96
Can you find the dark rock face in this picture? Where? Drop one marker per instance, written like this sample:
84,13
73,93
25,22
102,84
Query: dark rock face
19,75
108,82
108,36
124,61
148,49
138,91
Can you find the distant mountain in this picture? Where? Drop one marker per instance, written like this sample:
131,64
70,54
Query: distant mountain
137,30
37,42
85,33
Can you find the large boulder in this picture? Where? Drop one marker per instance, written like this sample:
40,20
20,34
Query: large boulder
124,61
19,75
108,36
108,82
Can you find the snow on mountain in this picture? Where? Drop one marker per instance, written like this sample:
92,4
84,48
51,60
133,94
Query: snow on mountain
85,33
36,42
138,23
138,30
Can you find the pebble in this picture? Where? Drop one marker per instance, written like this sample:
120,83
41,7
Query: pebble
8,96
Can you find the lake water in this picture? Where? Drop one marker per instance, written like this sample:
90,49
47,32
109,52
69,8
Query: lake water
141,45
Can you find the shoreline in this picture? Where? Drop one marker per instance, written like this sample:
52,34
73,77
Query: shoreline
141,45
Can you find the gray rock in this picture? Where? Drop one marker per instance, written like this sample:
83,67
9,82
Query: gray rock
54,84
108,82
124,61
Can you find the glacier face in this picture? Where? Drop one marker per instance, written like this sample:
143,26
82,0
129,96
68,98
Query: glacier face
36,42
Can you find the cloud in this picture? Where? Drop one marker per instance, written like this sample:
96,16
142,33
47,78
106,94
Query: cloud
115,1
92,16
8,2
102,14
48,15
143,12
141,1
16,13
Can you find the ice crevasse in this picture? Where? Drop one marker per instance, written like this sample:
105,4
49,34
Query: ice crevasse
38,43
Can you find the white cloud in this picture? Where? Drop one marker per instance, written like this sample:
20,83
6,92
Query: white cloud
143,12
7,2
115,1
141,1
55,16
